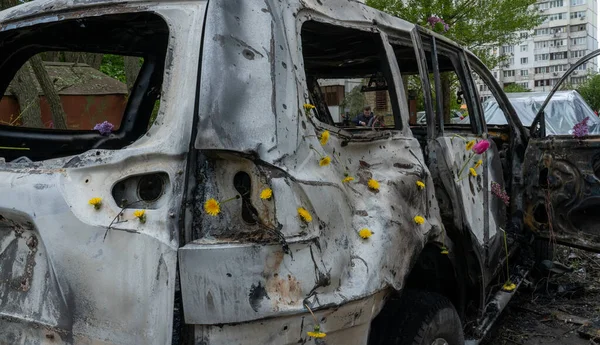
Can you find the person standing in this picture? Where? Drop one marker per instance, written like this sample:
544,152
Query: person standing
365,118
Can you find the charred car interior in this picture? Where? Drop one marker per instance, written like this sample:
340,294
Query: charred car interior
217,196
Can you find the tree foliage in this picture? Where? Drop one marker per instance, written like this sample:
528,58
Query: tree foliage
476,24
515,88
590,91
354,101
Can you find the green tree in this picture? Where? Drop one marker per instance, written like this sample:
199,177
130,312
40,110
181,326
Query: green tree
590,91
478,25
354,101
515,88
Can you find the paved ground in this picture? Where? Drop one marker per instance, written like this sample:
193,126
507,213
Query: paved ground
551,310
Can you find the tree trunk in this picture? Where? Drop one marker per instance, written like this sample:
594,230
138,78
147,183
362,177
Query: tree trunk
132,69
94,60
24,89
446,96
58,114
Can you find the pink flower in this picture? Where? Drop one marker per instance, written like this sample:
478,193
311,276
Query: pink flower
481,147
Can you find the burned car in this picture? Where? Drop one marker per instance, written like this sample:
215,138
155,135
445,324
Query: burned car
564,111
224,206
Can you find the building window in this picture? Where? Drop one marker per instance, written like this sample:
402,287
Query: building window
582,67
578,80
524,85
333,94
496,75
539,32
524,73
381,100
577,53
557,16
577,2
524,48
524,35
543,82
578,14
540,45
511,61
510,73
557,43
578,41
576,28
550,4
558,30
558,56
507,50
541,57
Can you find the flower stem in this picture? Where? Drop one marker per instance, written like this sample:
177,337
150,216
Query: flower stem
312,148
230,199
506,249
311,312
458,136
465,165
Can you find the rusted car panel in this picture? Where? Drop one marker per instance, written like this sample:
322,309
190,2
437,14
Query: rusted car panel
64,277
563,190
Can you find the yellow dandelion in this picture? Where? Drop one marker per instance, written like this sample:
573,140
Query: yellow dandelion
509,286
324,137
324,161
470,145
96,202
266,194
419,220
316,334
212,207
304,214
141,215
473,172
348,179
373,184
478,164
365,233
420,184
308,106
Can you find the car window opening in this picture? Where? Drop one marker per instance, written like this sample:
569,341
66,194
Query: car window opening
80,84
348,78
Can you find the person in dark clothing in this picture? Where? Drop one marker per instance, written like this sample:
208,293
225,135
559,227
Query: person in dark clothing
365,118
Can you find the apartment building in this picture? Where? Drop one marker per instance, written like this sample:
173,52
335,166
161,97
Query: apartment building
568,33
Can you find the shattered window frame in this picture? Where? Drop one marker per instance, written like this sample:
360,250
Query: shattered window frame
460,67
133,29
322,113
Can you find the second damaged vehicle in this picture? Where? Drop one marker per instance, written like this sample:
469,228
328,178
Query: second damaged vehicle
211,195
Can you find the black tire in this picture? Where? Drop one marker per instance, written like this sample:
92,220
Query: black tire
543,249
418,318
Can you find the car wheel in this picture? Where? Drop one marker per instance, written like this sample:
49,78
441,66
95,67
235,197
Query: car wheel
421,318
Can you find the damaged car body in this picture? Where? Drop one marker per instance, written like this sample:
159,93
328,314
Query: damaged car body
244,213
563,179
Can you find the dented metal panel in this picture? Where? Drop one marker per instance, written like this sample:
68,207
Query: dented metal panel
65,278
251,120
562,176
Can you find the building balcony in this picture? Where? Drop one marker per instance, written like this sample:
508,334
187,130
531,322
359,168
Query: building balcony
558,49
578,34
